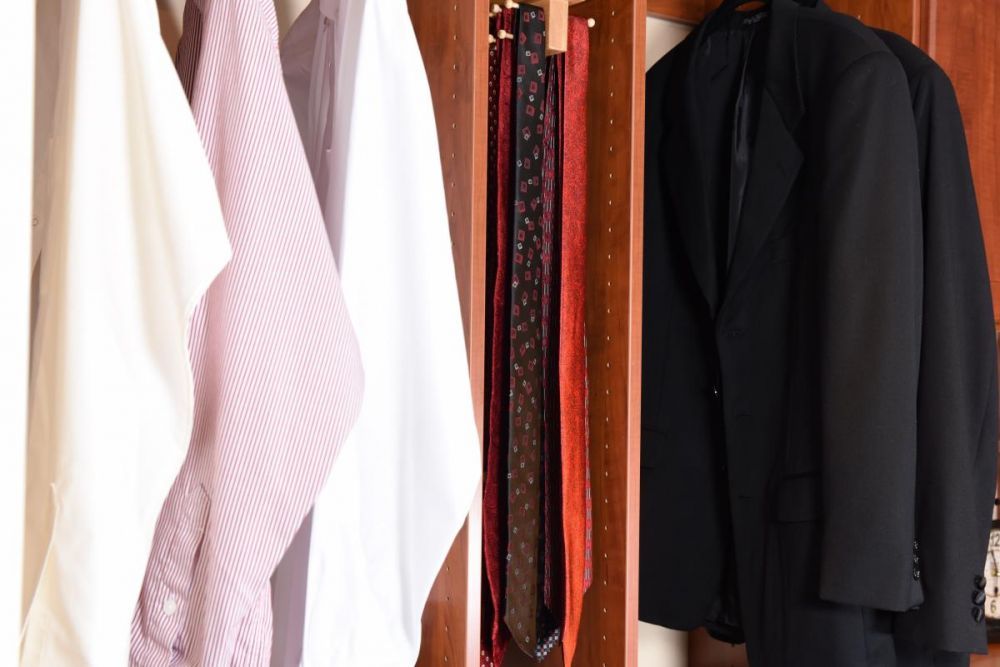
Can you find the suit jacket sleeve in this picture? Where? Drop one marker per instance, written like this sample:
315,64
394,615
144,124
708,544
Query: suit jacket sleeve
870,265
957,410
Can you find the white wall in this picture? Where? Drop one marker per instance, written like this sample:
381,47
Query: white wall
661,36
659,647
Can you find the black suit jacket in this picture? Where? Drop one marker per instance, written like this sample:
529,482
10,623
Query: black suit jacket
957,398
781,335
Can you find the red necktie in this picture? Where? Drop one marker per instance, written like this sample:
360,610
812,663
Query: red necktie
576,501
495,637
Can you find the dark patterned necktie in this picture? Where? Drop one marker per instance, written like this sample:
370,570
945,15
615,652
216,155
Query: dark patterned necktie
495,637
526,399
552,538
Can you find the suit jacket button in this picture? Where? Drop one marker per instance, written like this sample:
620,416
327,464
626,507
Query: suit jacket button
977,614
715,391
979,597
916,574
980,582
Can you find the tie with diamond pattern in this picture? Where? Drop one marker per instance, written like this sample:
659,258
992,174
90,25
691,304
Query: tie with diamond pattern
526,399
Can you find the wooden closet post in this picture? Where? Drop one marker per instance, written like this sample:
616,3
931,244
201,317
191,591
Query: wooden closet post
453,37
453,43
616,104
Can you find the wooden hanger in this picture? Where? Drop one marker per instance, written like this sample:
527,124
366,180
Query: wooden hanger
556,22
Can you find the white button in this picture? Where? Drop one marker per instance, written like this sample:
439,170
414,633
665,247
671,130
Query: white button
170,606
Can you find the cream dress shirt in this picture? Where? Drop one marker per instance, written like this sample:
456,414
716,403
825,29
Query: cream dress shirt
129,235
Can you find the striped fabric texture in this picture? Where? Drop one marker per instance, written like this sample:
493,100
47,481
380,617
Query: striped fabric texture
278,380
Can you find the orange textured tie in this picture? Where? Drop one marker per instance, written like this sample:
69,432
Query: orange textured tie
576,501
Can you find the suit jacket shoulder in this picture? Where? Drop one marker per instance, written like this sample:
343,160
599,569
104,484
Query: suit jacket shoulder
930,88
828,44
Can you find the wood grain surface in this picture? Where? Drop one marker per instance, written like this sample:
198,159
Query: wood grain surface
453,43
964,38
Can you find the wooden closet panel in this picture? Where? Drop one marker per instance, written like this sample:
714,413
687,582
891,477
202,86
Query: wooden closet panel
686,11
609,631
964,38
452,37
901,16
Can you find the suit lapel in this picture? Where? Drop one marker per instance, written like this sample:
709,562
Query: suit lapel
774,166
776,157
775,160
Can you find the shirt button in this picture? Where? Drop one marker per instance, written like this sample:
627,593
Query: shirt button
170,606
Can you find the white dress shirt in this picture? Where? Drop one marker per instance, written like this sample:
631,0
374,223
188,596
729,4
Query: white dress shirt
129,235
407,474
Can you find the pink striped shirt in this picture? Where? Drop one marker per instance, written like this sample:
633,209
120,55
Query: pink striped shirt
277,374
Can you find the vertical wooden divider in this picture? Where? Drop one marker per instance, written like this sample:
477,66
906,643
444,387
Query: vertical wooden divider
453,43
616,104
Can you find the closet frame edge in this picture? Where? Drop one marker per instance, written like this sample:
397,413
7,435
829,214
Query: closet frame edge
453,43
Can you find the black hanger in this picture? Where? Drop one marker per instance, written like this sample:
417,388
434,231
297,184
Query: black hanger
725,10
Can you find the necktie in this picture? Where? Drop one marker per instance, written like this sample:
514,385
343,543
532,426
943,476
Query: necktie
526,400
576,501
495,636
551,487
